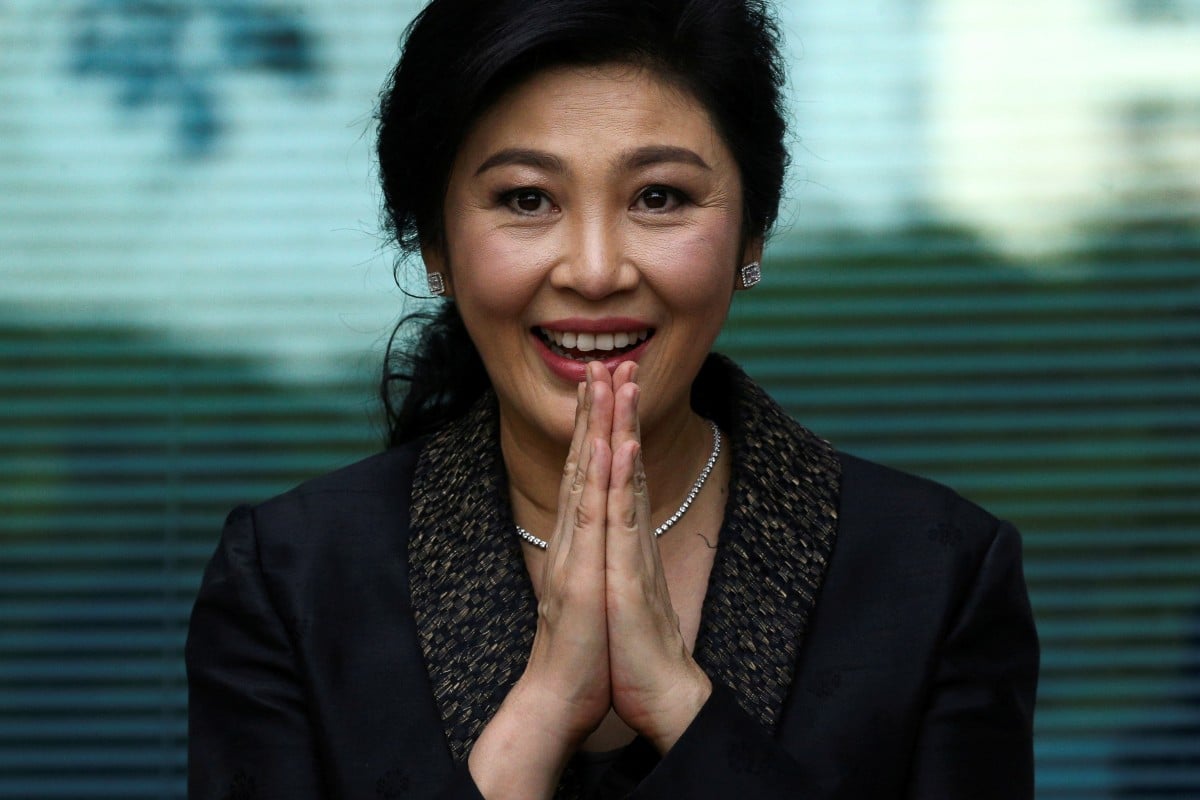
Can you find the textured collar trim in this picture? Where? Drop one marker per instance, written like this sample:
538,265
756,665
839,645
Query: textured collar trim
474,604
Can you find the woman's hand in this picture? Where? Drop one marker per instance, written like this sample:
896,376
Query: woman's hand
565,691
657,687
568,663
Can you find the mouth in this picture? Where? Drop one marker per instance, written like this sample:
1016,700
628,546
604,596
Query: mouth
584,346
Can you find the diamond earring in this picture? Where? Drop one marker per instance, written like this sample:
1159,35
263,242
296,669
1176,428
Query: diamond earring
437,284
751,275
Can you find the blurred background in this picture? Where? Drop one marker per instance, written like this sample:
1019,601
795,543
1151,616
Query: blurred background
989,273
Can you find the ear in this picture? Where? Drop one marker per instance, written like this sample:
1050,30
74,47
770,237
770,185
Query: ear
435,260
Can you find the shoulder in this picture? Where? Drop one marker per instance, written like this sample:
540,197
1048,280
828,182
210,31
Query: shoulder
378,475
915,535
874,495
383,478
320,551
356,511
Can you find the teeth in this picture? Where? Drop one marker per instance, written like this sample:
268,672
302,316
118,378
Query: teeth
587,342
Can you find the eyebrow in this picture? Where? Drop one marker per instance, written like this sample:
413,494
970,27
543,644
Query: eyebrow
662,153
523,157
634,159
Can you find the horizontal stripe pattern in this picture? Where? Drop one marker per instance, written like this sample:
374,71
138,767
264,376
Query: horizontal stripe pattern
192,318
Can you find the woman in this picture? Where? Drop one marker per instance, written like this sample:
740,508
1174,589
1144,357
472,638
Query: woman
597,560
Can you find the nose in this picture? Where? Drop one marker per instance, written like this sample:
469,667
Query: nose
595,261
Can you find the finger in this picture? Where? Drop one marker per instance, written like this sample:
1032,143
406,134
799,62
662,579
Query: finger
571,472
626,372
641,498
600,374
570,488
633,514
571,484
630,548
598,428
588,519
626,427
629,541
623,518
600,409
561,539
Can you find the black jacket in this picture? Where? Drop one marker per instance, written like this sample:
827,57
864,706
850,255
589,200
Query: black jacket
868,633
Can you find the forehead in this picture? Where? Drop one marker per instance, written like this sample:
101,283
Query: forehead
594,111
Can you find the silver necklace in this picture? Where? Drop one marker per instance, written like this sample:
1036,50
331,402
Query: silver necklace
687,501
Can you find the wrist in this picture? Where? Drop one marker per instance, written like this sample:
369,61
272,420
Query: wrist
680,710
522,751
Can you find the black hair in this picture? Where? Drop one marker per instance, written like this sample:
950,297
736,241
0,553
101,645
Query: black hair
459,56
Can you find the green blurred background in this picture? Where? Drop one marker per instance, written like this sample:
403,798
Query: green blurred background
989,274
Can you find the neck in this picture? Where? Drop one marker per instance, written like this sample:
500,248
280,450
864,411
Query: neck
674,450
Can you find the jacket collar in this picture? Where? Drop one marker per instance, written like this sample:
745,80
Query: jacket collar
473,601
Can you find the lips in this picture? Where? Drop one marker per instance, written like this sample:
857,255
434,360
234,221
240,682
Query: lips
587,346
567,346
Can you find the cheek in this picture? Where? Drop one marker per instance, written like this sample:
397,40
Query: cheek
694,267
496,274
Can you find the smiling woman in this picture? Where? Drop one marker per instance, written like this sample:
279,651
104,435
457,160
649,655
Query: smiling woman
557,581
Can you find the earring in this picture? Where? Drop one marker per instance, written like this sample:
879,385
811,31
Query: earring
437,284
751,275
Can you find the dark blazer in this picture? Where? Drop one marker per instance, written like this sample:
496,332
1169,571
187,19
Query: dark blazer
310,671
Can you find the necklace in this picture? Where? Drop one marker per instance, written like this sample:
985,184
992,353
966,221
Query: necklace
687,501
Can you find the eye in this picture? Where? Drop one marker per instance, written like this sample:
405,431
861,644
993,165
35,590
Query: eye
658,199
529,202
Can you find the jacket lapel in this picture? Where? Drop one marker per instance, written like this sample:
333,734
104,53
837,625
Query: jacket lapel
472,599
776,542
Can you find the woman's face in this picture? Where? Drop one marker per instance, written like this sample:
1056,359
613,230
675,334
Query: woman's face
594,213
